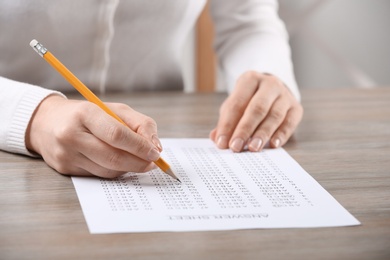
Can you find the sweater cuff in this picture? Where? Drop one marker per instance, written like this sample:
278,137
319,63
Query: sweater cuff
16,140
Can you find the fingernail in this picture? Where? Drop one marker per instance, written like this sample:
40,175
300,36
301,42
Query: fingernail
277,142
255,144
222,142
237,145
153,155
157,142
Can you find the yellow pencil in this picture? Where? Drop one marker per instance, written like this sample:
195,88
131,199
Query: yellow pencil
87,93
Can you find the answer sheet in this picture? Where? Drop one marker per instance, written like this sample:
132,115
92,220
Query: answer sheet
220,190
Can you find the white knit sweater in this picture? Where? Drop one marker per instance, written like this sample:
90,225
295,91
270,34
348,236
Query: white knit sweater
125,45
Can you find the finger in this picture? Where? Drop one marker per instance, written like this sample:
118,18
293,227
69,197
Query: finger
115,134
257,110
287,128
83,166
112,160
66,167
267,128
87,167
213,134
234,107
67,162
138,122
90,167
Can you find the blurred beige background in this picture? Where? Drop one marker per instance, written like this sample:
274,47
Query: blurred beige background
339,43
335,43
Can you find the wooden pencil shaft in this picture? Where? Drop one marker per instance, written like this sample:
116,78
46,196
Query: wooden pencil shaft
90,96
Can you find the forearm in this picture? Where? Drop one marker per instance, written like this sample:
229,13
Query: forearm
18,102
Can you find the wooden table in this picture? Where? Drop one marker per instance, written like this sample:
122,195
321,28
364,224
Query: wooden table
343,142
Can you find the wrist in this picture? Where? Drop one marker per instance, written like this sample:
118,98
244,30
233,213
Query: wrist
37,121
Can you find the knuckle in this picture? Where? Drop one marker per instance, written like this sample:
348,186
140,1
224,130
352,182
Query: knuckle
115,134
78,114
259,109
149,122
277,114
63,170
249,75
61,160
62,167
236,105
114,159
140,146
84,108
60,156
249,79
64,134
274,81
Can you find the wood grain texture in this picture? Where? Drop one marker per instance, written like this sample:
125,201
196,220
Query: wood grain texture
343,142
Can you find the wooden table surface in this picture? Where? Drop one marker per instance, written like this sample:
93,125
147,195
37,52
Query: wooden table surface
343,142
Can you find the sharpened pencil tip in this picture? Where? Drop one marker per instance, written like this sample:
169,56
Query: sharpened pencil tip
170,173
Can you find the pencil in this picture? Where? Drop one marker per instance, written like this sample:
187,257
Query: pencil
88,94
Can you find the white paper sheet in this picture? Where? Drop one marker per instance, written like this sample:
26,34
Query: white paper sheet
220,190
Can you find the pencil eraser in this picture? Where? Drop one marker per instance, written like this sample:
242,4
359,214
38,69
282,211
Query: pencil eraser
33,43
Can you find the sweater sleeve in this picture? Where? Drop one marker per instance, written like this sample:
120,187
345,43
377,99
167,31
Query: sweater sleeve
18,102
249,35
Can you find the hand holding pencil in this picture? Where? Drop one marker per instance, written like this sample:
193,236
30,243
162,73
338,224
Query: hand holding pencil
92,138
